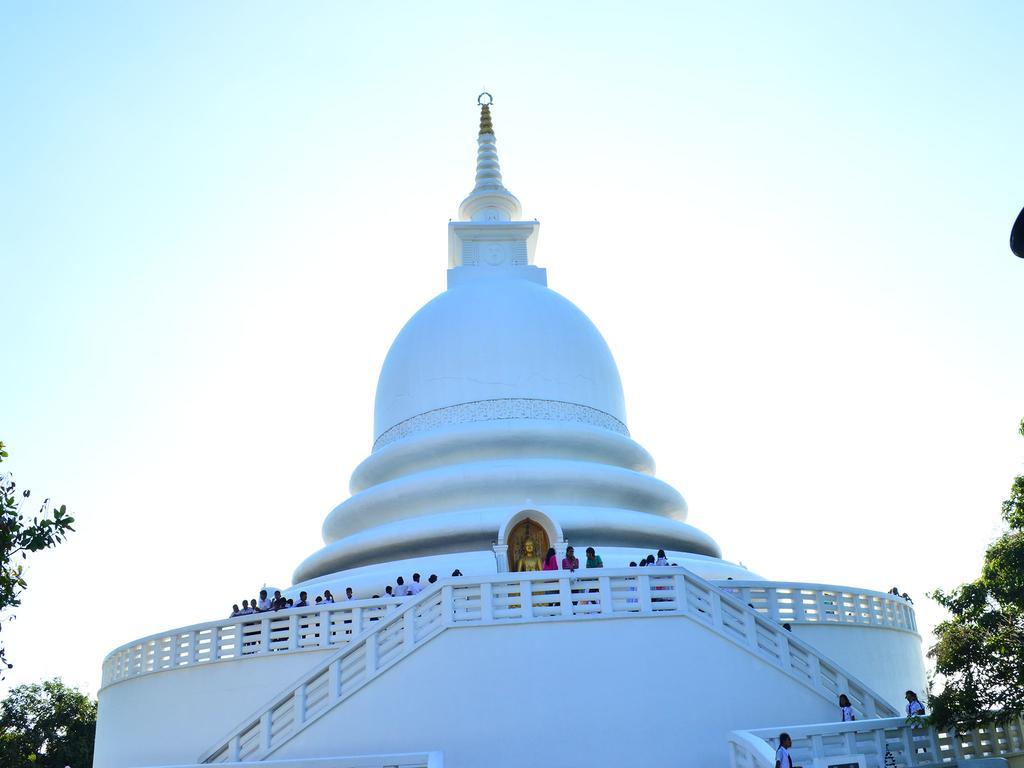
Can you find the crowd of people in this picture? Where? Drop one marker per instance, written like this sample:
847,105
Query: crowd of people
403,588
278,602
572,563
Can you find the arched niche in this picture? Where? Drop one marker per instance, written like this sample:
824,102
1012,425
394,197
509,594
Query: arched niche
512,533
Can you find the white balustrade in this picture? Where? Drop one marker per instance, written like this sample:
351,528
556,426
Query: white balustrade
874,740
798,603
534,597
402,760
291,629
299,629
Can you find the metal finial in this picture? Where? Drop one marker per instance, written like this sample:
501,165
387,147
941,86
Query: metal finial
481,102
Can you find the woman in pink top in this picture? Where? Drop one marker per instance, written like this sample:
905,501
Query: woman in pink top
551,560
570,562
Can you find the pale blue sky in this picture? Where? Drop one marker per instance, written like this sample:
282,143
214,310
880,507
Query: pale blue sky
790,222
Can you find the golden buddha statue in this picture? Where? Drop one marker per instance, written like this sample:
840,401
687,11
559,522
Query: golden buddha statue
529,560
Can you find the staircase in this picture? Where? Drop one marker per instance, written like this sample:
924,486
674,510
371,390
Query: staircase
534,597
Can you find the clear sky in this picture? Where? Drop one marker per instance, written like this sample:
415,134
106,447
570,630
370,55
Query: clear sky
790,222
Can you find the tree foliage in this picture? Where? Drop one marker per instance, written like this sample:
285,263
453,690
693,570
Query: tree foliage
47,725
20,536
980,648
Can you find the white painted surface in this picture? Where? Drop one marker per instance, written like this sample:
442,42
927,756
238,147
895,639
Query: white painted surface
889,660
732,644
404,760
159,719
494,339
273,632
882,660
501,697
874,634
514,599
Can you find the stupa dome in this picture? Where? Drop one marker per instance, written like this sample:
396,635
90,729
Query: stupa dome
487,345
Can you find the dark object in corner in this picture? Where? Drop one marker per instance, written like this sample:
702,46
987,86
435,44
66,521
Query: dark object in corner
1017,235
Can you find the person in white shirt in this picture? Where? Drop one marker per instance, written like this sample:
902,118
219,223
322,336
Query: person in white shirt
264,603
782,758
328,597
415,588
662,560
845,709
348,593
914,706
402,589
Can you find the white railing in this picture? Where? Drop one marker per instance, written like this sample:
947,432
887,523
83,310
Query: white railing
291,629
335,624
404,760
749,751
797,603
876,744
535,597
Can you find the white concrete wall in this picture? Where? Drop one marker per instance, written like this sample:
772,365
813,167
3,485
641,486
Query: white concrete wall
618,692
888,660
171,716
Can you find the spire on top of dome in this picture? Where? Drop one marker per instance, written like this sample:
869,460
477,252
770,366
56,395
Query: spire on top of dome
489,200
486,126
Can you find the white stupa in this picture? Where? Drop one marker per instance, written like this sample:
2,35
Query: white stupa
498,396
500,433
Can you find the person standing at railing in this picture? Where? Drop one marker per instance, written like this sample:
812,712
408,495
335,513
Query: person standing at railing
264,603
662,560
782,757
550,560
402,589
415,588
570,562
303,602
328,597
914,706
594,561
845,708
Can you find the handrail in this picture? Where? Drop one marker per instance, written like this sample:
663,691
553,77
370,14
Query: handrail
785,602
276,631
908,744
534,597
399,760
808,603
749,751
289,629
